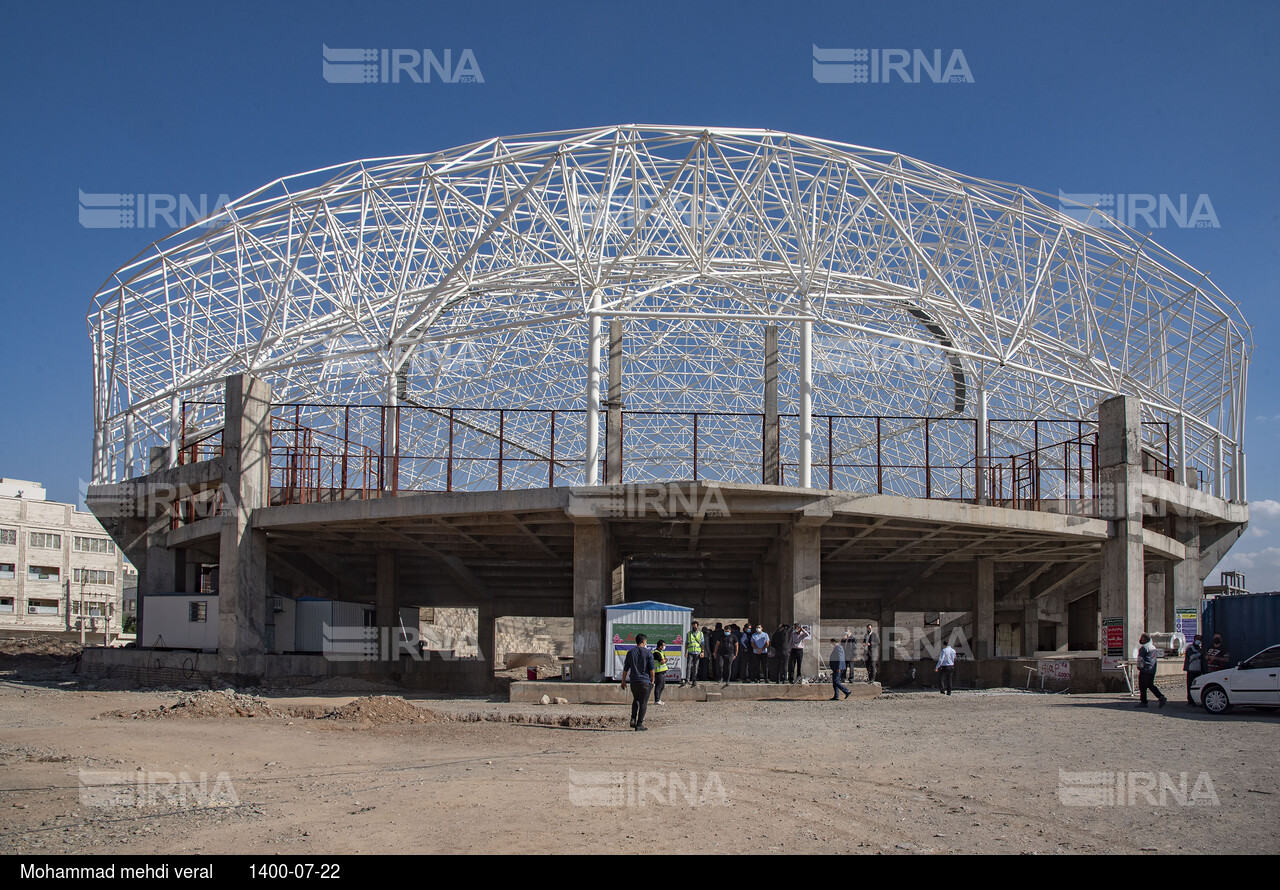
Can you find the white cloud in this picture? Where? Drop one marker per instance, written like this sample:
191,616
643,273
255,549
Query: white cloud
1261,567
1265,509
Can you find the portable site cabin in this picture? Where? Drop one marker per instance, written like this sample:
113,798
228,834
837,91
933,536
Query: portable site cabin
657,621
180,621
306,625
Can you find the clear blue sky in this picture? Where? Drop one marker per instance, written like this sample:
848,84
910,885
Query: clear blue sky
213,98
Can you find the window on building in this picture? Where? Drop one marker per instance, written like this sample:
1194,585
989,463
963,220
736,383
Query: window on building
43,573
198,611
9,536
6,604
6,571
46,541
93,545
93,576
42,607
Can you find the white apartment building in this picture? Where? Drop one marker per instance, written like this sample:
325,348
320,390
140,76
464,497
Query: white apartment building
60,572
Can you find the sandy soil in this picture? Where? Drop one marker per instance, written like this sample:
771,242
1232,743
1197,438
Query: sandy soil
343,771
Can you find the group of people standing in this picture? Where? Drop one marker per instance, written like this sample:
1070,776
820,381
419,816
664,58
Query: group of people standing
731,653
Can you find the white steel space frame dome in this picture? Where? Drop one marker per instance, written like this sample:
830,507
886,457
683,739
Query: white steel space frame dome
482,277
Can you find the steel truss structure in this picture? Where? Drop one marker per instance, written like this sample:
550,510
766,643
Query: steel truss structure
482,277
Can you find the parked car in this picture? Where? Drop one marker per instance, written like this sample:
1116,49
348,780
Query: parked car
1254,682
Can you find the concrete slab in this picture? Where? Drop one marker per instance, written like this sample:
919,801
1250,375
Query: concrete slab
529,691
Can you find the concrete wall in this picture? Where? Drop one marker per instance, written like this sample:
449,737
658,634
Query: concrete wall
152,668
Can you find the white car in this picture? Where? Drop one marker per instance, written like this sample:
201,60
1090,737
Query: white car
1254,682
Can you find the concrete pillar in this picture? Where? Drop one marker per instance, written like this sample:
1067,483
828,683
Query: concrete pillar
771,470
175,430
613,420
888,633
770,596
802,585
592,578
487,638
1183,585
1061,642
242,561
385,601
984,609
1123,587
1030,627
1153,614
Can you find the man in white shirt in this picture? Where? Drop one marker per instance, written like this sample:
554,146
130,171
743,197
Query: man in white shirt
795,672
946,669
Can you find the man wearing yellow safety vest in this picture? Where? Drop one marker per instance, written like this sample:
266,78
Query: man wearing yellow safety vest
694,648
659,671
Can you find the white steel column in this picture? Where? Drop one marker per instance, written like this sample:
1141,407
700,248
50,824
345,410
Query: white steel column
100,454
591,471
980,444
806,404
1181,465
130,445
175,429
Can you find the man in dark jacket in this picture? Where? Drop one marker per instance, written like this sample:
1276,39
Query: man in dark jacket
637,669
726,651
836,662
1148,655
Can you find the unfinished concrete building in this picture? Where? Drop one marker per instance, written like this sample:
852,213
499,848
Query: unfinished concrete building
747,372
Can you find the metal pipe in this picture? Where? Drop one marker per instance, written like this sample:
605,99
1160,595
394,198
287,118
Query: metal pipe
591,472
806,404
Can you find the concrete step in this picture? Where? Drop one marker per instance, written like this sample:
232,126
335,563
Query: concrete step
531,691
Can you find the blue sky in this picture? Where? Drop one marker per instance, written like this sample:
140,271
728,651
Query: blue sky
211,99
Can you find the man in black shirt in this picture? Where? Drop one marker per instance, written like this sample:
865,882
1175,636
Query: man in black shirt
726,651
637,669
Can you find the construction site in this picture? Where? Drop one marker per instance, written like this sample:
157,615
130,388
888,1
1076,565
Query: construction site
408,452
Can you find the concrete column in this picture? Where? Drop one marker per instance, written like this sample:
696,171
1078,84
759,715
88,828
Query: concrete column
770,596
1030,627
1183,585
1153,614
804,577
1061,642
591,585
385,602
613,421
984,609
242,561
487,638
771,471
1123,587
888,633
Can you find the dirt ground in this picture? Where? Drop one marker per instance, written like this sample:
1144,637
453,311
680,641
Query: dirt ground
343,769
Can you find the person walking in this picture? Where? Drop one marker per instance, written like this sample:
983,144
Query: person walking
836,661
694,650
726,651
847,643
659,671
1148,655
871,652
637,670
1193,664
946,669
795,671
